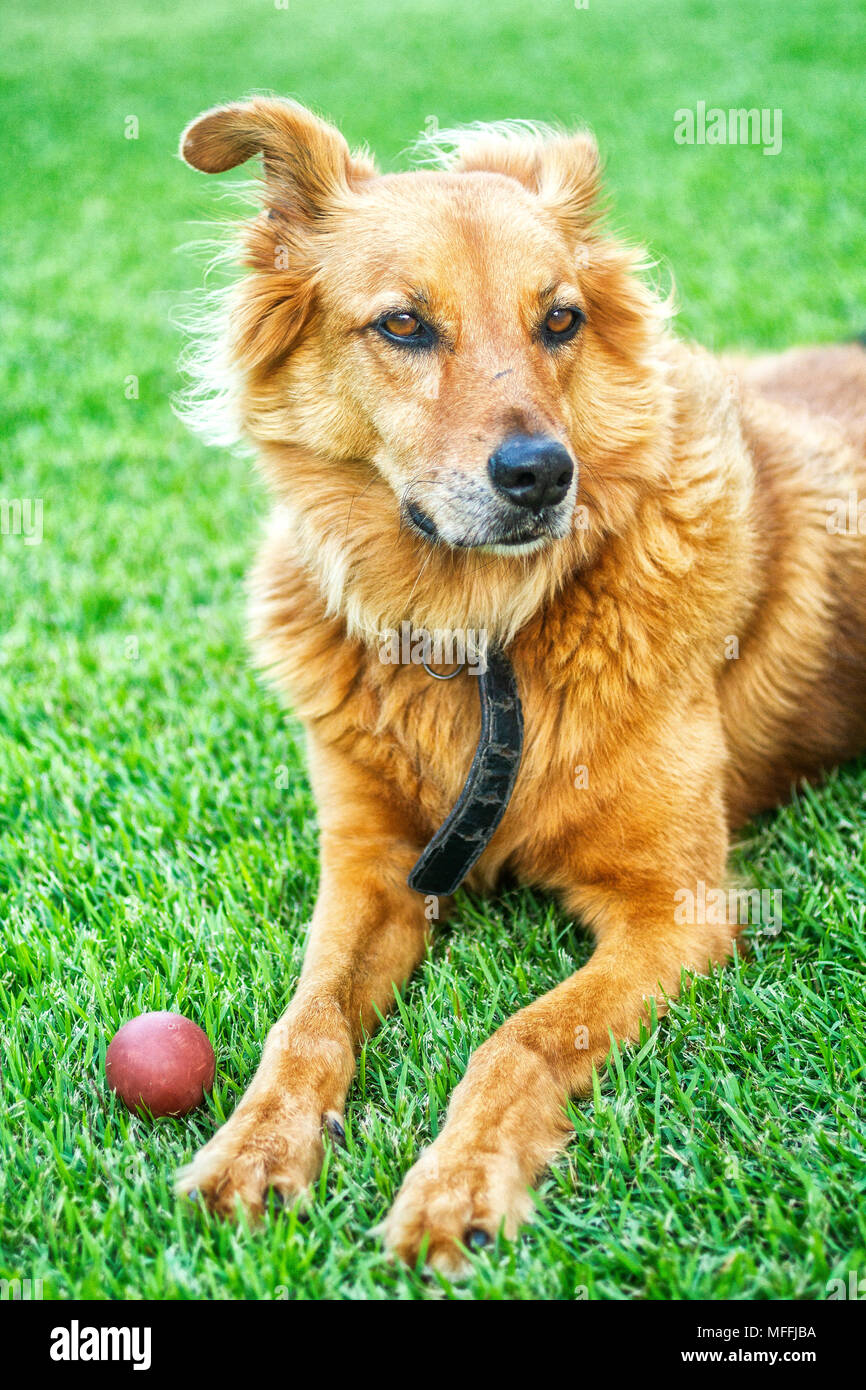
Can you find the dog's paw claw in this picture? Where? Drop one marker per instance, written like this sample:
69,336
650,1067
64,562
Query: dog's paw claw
263,1156
449,1204
334,1127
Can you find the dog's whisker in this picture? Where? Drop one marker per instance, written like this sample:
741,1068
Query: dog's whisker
355,497
427,560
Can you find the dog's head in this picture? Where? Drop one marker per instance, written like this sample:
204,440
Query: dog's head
466,335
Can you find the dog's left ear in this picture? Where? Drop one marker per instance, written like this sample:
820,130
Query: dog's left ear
562,169
306,160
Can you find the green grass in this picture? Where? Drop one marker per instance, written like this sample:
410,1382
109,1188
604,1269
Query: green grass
149,858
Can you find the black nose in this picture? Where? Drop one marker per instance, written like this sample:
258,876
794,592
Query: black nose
532,471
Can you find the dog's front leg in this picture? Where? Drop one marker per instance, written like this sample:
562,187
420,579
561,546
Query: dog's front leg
368,934
507,1117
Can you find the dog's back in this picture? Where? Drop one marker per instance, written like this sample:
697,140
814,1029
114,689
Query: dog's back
803,662
829,382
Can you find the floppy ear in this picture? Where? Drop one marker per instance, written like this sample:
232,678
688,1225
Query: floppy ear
309,171
562,169
302,154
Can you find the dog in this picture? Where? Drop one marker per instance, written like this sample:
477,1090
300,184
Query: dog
473,415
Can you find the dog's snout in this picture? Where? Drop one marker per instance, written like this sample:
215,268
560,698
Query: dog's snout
532,471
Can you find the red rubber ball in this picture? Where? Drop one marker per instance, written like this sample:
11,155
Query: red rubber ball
160,1061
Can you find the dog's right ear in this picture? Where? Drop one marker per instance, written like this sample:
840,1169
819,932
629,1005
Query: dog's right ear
561,167
302,154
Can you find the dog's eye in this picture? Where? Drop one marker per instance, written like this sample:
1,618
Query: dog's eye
402,325
405,328
562,324
560,320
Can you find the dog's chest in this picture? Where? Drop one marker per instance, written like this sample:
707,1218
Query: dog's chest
427,732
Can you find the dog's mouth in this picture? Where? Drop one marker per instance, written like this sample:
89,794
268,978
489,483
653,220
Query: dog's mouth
497,539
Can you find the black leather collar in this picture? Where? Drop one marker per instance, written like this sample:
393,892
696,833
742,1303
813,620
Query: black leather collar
468,830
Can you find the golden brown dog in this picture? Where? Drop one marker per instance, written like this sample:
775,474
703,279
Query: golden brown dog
473,416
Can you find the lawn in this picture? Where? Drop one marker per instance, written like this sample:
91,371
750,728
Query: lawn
151,855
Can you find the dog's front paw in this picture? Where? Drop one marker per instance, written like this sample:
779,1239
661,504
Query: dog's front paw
270,1145
456,1196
